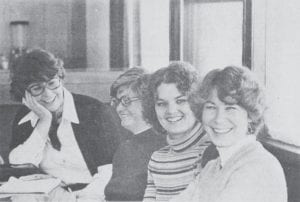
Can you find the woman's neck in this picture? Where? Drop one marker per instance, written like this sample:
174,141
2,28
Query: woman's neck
187,140
57,115
227,152
178,136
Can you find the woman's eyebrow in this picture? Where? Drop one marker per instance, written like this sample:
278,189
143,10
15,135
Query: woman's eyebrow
230,104
180,96
209,102
160,99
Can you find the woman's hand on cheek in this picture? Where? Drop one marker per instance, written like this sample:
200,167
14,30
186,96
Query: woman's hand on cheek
36,107
45,116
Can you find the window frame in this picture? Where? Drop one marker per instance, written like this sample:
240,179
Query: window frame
253,55
176,26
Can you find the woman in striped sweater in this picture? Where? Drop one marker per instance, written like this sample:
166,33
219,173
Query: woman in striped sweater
173,167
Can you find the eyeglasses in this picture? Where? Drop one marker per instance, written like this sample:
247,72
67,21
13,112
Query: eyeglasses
37,89
126,101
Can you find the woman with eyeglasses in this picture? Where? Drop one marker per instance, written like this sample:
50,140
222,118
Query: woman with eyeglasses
66,135
173,167
129,176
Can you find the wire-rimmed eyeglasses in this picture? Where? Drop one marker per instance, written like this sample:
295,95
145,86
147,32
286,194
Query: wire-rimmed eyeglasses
125,100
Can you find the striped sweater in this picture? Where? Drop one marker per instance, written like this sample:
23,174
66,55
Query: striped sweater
173,167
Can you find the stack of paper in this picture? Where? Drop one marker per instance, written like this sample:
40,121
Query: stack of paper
32,186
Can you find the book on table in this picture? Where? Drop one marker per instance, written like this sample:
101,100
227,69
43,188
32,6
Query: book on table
17,170
32,184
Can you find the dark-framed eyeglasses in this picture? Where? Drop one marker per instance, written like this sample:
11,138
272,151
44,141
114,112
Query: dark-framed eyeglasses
37,89
125,100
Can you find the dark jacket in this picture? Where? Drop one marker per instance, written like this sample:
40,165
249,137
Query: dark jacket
97,133
130,163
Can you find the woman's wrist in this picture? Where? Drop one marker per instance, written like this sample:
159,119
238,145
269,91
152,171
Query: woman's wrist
43,126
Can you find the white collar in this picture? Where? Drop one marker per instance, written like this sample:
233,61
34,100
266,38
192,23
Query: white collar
69,111
227,152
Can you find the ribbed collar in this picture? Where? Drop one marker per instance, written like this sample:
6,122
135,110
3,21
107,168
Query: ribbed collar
227,152
181,144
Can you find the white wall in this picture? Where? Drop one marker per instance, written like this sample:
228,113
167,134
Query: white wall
283,68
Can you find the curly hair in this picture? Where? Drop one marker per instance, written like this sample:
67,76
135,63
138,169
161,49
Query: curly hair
135,79
182,74
234,85
36,65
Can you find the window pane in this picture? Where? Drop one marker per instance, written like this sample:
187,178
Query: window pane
213,34
154,33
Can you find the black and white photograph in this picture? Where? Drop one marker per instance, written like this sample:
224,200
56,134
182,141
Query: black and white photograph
149,101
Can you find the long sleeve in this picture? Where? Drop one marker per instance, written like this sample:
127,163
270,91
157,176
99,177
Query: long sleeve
252,174
95,189
256,183
150,192
31,151
189,194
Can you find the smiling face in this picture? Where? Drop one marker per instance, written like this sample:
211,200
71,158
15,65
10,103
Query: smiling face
173,111
50,99
226,124
131,115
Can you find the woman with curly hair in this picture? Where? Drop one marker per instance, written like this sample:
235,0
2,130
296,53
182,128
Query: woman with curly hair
231,104
173,167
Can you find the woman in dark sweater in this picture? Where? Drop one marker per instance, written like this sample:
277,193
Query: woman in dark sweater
129,177
67,135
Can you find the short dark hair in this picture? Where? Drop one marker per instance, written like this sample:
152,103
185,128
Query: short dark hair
135,79
234,85
36,65
182,74
128,79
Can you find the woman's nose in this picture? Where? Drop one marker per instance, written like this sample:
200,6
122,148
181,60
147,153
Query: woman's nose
171,108
47,93
219,116
120,107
